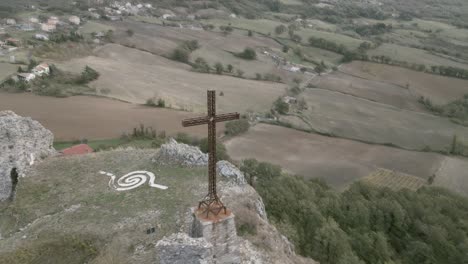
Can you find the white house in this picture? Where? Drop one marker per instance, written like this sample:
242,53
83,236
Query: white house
27,77
167,16
74,20
41,69
10,21
233,15
41,37
33,20
48,27
290,100
53,20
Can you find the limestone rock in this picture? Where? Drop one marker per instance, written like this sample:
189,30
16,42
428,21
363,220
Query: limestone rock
22,142
230,172
174,153
181,249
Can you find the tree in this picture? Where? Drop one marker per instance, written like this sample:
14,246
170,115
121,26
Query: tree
250,33
285,49
237,127
240,73
230,68
281,106
247,54
180,55
219,68
130,32
280,29
319,69
201,65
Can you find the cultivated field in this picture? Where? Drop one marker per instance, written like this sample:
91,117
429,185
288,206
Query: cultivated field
413,55
453,175
373,90
439,89
135,76
338,161
95,118
6,69
394,180
351,117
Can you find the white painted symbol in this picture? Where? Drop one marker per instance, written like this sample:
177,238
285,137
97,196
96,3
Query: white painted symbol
132,180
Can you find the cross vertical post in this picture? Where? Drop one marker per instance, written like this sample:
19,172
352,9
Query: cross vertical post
211,203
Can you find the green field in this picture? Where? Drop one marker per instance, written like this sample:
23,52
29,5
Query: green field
264,26
412,55
349,42
7,69
92,26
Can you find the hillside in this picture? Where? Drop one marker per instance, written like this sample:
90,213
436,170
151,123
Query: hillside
65,211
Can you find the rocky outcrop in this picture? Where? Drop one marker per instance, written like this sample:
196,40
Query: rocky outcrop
182,249
230,172
22,142
267,245
173,153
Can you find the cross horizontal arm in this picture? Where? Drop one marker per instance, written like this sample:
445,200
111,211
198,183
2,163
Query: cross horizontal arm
205,119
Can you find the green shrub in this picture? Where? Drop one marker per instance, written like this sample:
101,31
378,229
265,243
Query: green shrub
237,127
247,54
219,68
221,152
180,55
281,107
201,65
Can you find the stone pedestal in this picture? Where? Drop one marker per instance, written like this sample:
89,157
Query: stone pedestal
181,249
220,232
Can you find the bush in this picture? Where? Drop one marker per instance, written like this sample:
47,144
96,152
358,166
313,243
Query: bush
156,103
88,75
237,127
281,107
219,68
180,55
201,65
247,54
221,152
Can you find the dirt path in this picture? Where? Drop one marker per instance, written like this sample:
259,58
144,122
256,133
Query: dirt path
95,118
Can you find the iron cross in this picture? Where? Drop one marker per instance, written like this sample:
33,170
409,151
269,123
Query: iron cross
211,203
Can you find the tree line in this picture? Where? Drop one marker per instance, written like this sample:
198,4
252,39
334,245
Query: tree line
364,224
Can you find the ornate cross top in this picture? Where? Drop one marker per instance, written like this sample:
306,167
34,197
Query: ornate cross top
211,203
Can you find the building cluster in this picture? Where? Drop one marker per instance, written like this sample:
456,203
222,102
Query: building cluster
40,70
118,9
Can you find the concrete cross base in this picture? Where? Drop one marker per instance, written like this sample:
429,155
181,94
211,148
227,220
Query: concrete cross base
220,232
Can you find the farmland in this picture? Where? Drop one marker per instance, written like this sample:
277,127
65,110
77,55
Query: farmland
95,118
340,162
394,180
439,89
155,76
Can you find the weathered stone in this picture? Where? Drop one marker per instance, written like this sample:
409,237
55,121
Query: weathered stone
230,172
221,234
174,153
22,142
181,249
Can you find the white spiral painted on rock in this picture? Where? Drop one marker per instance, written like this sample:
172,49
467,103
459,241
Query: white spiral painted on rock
133,180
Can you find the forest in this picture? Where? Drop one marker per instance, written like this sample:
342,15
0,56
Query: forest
363,224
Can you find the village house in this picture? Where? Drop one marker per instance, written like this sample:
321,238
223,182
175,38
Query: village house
34,20
290,100
41,69
26,76
41,37
53,20
48,27
74,20
2,44
10,21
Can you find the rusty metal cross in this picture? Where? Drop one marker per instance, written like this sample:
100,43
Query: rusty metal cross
211,203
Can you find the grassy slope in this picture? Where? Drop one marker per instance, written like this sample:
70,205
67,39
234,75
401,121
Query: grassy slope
49,195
